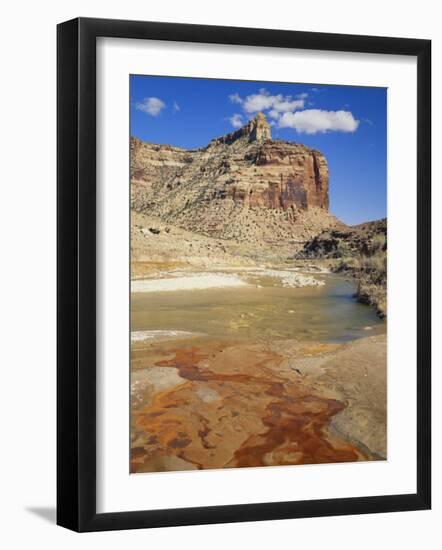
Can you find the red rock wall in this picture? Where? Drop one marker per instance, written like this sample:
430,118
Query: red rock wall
269,175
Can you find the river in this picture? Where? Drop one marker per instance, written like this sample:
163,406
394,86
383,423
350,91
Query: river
263,310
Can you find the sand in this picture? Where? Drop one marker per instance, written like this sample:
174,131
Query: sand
185,280
192,282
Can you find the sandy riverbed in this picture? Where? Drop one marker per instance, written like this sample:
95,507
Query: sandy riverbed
186,280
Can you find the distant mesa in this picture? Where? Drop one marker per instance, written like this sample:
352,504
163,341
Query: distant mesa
242,186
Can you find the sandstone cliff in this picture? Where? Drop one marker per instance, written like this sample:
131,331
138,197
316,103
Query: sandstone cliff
243,186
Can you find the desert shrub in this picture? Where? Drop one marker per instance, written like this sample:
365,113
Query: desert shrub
343,249
373,294
373,268
379,243
347,263
371,272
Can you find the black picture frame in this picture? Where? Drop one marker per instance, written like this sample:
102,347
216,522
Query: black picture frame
76,274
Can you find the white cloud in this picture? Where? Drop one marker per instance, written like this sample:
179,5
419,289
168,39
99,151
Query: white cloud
288,106
236,120
263,101
176,107
290,112
151,106
313,121
235,98
258,102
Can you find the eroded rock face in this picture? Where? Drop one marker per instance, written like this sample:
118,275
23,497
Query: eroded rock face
364,239
209,189
256,130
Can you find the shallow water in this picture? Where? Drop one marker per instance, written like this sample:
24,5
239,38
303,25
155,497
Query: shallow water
264,311
209,392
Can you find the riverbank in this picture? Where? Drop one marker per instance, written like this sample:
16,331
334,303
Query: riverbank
370,273
360,252
225,277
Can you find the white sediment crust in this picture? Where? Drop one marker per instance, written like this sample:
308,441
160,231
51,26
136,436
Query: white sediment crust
143,335
201,281
193,282
288,278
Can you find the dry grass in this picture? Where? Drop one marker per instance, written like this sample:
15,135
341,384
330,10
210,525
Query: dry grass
370,270
372,281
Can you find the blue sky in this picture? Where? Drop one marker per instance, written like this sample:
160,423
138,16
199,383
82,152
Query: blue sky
348,124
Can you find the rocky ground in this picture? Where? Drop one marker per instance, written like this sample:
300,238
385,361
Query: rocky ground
156,244
347,242
212,405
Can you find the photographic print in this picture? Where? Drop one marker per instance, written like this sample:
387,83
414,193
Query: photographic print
258,262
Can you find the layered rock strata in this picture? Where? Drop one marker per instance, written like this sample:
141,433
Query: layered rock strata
242,186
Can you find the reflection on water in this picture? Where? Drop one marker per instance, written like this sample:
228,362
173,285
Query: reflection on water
267,311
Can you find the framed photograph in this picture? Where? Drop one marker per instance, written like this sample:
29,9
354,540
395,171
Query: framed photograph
243,274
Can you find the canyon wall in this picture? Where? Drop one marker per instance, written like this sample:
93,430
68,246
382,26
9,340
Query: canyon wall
242,185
